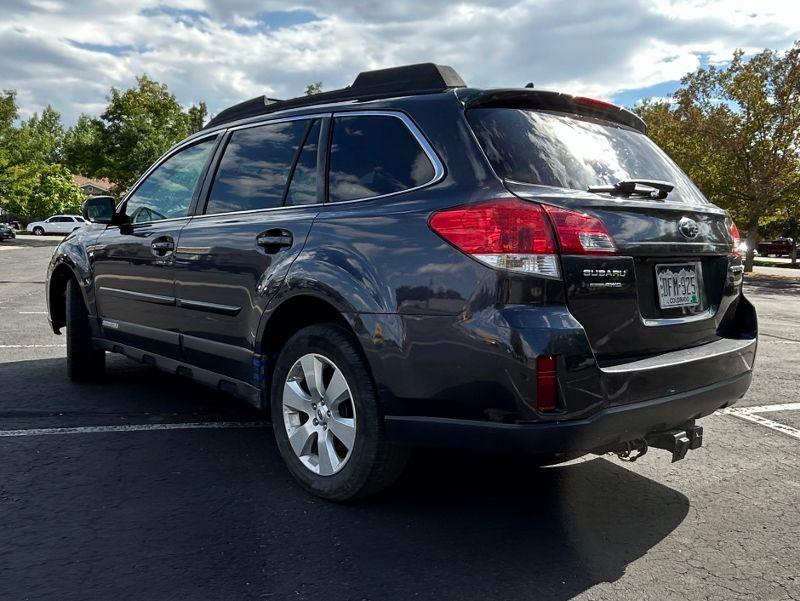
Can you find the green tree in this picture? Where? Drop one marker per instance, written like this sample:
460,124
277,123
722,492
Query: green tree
8,114
33,184
82,152
736,132
39,139
37,190
197,115
313,88
8,111
138,126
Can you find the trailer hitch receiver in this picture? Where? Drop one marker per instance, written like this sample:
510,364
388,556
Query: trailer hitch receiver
678,441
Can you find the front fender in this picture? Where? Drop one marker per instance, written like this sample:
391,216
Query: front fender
70,260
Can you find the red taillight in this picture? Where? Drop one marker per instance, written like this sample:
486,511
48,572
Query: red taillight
546,389
736,238
579,233
507,234
498,226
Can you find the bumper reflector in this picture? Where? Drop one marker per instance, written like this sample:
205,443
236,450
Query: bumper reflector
546,385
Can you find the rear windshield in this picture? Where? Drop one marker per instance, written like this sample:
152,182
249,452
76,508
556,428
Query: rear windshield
571,152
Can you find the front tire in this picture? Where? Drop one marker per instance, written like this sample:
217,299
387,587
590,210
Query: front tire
38,231
84,362
326,417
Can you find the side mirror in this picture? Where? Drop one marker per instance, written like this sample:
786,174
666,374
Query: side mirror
100,209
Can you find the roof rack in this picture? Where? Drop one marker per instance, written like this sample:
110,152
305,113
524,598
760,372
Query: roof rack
422,78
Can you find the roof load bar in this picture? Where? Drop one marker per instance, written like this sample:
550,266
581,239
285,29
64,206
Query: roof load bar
422,78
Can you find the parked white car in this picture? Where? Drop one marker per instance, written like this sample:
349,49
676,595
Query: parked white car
57,224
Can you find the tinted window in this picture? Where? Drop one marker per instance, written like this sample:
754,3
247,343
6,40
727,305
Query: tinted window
60,219
374,155
168,191
569,152
303,189
255,167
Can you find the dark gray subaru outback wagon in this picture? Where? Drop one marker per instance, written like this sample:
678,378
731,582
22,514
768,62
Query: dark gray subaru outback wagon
410,261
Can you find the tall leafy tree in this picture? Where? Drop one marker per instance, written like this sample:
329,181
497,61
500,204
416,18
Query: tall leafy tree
39,139
736,131
197,115
82,152
38,156
33,183
38,190
8,111
8,114
138,125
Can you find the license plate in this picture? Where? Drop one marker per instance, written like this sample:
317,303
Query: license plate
677,285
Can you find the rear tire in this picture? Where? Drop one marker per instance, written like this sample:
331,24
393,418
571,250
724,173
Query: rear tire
322,463
38,231
84,362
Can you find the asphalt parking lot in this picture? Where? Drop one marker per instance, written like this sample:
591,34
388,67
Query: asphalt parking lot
149,487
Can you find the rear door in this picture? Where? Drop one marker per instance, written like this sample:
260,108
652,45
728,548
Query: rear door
134,263
71,224
673,281
60,224
234,254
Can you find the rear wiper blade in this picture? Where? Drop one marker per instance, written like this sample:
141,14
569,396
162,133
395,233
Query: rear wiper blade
649,188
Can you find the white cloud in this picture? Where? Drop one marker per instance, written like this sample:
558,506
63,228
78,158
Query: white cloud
223,51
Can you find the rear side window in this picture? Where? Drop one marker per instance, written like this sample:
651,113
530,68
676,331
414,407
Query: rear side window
572,152
255,167
372,155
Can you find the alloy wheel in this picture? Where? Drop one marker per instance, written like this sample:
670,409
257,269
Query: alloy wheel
319,414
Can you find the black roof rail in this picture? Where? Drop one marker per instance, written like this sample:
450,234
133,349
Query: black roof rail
422,78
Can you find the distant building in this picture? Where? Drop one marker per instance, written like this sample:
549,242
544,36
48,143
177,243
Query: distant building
92,187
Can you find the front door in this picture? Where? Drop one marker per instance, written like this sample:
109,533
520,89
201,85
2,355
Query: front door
134,263
233,257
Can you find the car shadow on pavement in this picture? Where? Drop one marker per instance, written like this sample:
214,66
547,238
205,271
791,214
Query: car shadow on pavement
213,514
35,241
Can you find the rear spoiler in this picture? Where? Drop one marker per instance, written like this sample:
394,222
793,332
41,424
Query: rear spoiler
516,98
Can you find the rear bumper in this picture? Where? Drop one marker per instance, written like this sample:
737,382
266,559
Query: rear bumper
601,431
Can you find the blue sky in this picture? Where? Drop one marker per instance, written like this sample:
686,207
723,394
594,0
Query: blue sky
69,53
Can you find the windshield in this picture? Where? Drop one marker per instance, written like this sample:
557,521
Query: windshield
573,152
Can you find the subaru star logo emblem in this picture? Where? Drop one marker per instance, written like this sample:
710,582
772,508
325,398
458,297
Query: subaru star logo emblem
688,227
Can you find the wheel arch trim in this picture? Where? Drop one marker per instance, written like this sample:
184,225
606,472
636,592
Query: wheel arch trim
63,268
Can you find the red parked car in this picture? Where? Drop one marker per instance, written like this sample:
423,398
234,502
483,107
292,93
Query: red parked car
778,247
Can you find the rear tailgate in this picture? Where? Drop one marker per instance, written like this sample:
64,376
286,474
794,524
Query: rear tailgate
673,280
625,310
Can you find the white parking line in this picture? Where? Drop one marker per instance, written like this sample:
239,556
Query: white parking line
751,414
33,312
33,345
132,428
764,408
